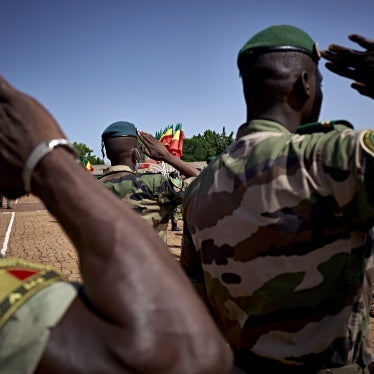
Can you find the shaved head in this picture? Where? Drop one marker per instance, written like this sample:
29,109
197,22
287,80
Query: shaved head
275,78
273,74
120,148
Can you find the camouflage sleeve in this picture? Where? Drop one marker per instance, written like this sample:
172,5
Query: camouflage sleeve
189,258
192,266
344,168
167,191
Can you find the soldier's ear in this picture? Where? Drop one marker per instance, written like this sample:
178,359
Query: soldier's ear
303,85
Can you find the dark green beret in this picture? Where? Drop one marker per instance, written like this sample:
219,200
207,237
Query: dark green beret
119,129
279,38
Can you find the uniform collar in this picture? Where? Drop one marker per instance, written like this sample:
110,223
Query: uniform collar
257,125
118,168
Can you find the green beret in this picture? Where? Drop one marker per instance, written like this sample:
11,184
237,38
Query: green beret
119,129
279,38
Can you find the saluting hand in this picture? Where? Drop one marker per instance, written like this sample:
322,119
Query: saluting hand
153,148
353,64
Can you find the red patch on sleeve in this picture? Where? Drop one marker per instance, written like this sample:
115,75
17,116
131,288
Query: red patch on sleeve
21,273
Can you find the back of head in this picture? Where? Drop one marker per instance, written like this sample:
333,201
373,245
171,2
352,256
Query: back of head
271,61
270,77
119,139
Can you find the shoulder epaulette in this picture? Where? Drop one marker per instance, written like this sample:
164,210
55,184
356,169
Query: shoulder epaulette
19,281
324,126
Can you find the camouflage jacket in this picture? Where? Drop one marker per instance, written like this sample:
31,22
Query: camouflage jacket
152,195
283,248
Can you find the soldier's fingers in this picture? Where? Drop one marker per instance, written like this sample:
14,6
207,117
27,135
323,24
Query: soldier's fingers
146,138
141,136
362,41
343,71
363,89
329,55
5,89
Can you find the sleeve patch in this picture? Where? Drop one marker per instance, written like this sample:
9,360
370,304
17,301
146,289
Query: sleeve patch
367,141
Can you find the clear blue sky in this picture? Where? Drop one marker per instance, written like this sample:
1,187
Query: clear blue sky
158,62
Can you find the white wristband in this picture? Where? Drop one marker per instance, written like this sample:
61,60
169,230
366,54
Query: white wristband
38,153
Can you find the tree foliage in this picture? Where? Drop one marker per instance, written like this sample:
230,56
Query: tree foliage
201,147
85,154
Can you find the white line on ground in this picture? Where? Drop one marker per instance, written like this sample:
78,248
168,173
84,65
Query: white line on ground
7,235
8,231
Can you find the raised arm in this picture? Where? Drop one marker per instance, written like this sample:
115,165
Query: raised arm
139,313
158,151
354,64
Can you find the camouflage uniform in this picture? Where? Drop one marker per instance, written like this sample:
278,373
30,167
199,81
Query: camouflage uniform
175,214
8,203
152,195
284,250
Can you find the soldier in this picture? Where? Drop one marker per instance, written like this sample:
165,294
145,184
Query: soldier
134,313
283,259
8,202
152,195
175,218
176,213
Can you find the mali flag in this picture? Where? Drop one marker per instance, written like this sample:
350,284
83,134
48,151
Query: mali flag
176,144
89,167
165,136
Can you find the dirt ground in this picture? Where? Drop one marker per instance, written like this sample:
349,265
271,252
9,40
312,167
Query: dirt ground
174,241
30,232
